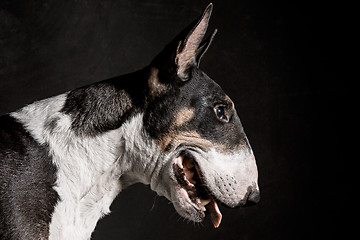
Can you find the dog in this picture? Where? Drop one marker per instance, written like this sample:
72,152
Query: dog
64,159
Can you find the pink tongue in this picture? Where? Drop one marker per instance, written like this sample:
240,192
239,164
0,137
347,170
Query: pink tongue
215,214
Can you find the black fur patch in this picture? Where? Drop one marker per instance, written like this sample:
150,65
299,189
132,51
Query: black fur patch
27,197
106,105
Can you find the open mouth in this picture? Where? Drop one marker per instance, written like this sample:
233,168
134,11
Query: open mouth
193,188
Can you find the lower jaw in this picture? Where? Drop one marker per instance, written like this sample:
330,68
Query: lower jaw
197,205
204,207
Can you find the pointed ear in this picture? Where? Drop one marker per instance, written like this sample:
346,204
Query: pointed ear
188,48
204,47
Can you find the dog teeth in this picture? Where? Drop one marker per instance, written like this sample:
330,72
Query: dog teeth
189,183
179,161
205,202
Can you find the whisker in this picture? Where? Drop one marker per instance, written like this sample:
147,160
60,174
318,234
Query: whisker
154,202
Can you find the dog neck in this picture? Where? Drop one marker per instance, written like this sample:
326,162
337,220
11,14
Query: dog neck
91,169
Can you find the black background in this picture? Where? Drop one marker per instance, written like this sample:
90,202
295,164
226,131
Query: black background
275,59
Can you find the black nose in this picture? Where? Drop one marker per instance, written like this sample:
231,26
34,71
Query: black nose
251,197
254,196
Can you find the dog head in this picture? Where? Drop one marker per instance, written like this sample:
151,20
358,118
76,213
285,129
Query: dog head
207,156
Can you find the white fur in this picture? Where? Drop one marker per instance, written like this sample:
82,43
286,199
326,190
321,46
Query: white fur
89,168
229,174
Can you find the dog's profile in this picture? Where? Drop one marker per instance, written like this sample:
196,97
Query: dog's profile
64,159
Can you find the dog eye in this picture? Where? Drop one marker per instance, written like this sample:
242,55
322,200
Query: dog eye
221,113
